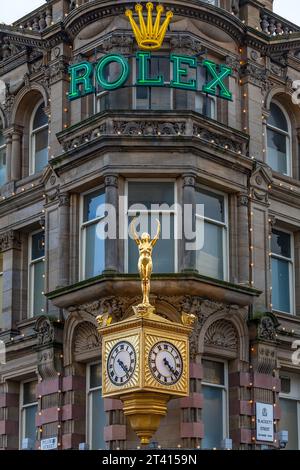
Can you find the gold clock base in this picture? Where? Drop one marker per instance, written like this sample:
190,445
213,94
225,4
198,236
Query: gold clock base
144,411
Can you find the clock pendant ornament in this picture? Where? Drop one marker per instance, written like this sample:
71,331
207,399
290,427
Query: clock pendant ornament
145,358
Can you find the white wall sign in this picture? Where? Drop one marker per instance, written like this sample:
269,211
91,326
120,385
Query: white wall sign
264,422
49,444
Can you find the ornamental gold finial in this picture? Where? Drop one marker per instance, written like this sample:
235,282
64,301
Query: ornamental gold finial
145,266
149,35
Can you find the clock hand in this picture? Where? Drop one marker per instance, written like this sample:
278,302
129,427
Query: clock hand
123,366
166,362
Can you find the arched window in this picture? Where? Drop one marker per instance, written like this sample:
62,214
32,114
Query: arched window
2,156
279,140
39,139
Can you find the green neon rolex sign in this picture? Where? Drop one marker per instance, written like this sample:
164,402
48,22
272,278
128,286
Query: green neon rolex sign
185,70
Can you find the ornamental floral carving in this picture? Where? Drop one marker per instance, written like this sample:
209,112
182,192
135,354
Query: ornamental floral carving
45,331
148,128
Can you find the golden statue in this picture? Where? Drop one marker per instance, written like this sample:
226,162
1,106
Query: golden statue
145,246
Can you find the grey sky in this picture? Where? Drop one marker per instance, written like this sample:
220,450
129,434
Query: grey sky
14,9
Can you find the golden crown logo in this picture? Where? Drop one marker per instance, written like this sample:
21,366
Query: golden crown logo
149,36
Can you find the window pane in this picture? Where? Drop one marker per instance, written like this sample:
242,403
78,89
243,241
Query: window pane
29,392
289,422
94,251
277,118
41,149
92,203
39,299
212,416
213,372
148,193
2,166
97,415
38,246
213,204
95,376
285,384
40,118
30,428
281,285
277,151
160,98
210,257
281,243
163,254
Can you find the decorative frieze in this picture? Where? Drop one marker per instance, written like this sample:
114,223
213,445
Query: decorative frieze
10,240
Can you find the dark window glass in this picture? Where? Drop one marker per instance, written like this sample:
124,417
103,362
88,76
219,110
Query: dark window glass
213,204
95,376
92,203
29,391
277,118
40,118
148,193
281,243
38,246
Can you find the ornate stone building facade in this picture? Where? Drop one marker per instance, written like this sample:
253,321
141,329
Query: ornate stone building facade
60,159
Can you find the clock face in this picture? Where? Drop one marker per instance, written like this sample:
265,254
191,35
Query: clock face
121,363
165,363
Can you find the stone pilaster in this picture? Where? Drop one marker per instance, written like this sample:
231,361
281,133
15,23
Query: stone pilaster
111,244
243,238
64,239
191,426
189,204
9,415
115,429
10,246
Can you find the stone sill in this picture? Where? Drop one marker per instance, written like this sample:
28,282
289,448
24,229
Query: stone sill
161,285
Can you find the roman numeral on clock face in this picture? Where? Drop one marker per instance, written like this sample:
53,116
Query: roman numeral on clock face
165,363
121,363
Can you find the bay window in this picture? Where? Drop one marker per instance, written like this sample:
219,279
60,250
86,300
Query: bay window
36,270
211,260
2,156
39,133
279,140
95,408
290,409
155,98
152,195
28,410
282,271
92,243
215,405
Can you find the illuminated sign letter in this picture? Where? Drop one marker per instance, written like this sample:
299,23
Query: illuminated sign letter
80,74
217,81
179,72
143,79
124,72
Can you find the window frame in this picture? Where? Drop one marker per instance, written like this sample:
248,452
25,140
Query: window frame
135,88
23,407
175,213
32,139
292,273
89,391
225,392
31,263
292,397
224,225
288,136
82,234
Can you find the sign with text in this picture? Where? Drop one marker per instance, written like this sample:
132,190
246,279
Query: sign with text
264,422
49,444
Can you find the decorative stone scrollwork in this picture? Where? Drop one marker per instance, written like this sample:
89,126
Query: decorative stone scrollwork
242,200
222,334
86,338
264,327
189,180
10,240
49,347
260,181
146,128
64,199
111,180
118,42
220,140
8,49
186,43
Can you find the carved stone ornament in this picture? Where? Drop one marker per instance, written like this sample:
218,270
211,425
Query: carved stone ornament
242,200
64,199
186,44
222,334
260,181
111,180
121,43
45,331
86,339
8,49
10,240
148,128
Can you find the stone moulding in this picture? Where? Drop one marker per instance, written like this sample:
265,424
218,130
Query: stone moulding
184,124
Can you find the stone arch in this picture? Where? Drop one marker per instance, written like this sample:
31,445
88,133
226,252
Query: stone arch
77,323
26,100
235,325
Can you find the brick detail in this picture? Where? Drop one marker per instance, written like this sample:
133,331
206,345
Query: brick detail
72,441
192,430
72,412
112,404
196,371
115,432
9,399
195,400
73,382
48,386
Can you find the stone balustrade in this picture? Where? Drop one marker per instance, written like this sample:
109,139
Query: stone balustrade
37,21
274,25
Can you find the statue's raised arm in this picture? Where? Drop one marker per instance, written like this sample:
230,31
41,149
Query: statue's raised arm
155,239
133,232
